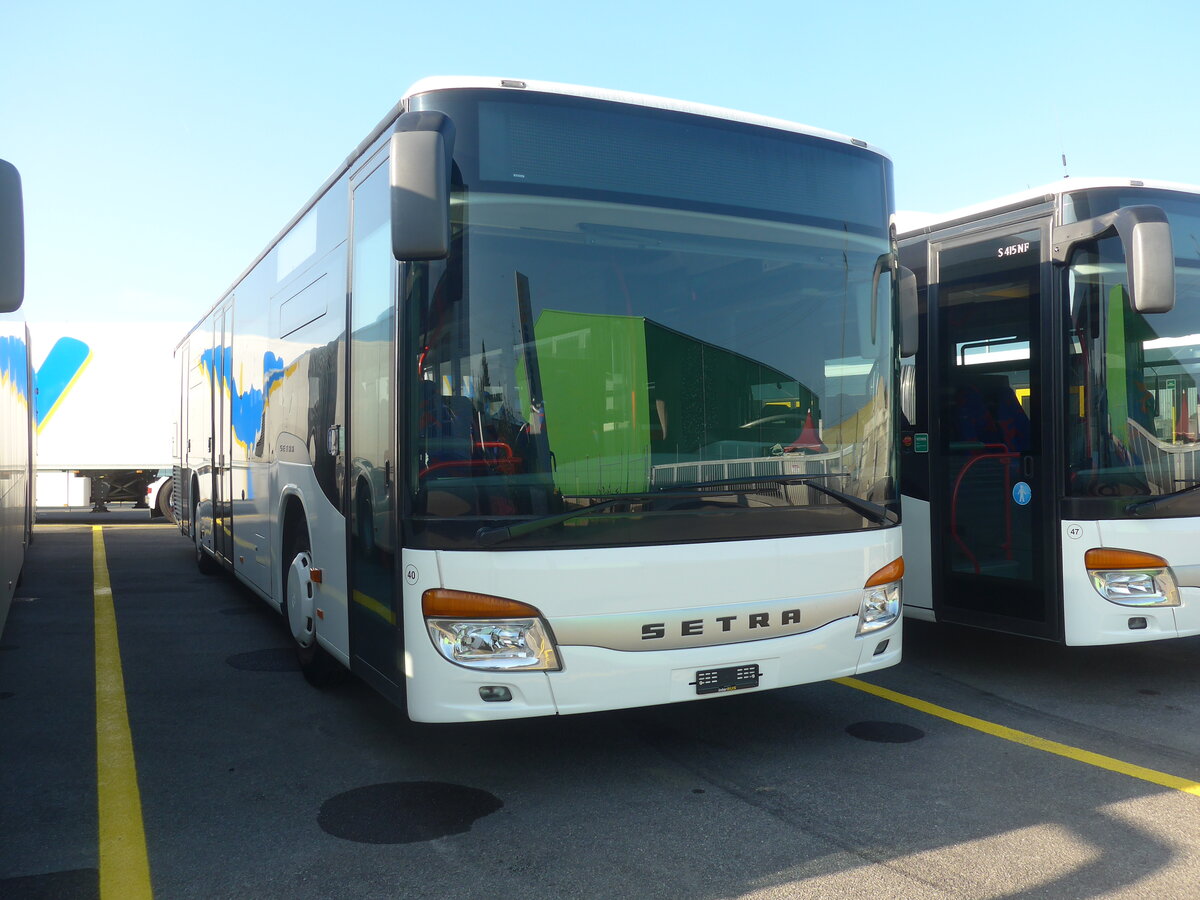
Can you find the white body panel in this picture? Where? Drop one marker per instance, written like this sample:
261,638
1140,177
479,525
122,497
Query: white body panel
1090,619
918,566
647,584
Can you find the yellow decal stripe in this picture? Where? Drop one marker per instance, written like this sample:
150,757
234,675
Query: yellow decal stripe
368,602
124,863
1029,740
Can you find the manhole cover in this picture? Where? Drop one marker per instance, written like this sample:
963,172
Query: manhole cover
277,659
405,812
885,732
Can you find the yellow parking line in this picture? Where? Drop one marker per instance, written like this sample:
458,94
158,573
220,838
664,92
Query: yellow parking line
1029,740
124,863
38,525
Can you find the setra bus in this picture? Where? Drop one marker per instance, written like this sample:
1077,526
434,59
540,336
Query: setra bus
555,399
16,394
1050,439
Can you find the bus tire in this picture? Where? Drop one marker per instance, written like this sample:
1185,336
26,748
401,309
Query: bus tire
319,668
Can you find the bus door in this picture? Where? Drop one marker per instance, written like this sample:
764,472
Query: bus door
374,608
222,452
991,487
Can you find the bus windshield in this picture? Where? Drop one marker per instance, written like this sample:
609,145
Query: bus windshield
1132,379
598,365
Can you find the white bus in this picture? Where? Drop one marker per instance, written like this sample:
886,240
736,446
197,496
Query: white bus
16,394
1050,430
554,399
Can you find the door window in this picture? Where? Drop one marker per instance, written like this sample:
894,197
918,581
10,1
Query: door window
989,323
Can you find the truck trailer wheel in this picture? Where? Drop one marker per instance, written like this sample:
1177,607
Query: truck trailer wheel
166,496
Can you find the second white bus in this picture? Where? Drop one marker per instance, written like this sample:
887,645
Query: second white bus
1051,461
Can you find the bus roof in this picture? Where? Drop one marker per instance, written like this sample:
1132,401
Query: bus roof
447,83
461,82
910,223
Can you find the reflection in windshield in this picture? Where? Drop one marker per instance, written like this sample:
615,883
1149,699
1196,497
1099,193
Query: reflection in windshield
574,351
1132,406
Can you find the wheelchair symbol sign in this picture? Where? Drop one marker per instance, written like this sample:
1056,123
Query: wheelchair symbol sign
1022,493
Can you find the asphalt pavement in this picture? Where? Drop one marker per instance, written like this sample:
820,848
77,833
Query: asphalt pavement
1018,769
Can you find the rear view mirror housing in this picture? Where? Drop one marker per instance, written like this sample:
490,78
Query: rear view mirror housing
12,239
1149,255
422,148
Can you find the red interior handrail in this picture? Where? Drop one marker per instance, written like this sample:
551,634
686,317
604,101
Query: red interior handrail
1000,451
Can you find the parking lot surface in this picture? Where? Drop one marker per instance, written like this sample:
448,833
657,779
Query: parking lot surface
983,766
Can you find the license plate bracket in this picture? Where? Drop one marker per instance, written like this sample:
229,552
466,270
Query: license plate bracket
732,678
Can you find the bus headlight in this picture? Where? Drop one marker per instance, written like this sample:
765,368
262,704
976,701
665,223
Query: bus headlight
492,633
881,604
1132,578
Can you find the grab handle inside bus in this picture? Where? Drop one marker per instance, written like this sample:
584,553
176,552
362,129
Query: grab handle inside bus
1149,255
419,172
12,239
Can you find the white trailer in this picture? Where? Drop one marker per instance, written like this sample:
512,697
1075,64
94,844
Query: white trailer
105,410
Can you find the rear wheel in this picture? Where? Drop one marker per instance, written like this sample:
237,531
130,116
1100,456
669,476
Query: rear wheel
319,668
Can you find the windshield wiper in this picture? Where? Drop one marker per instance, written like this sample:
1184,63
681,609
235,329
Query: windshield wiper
1153,504
500,533
873,512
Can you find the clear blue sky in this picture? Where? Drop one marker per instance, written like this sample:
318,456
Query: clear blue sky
163,144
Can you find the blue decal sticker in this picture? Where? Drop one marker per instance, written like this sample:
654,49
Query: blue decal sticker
57,374
1022,493
245,407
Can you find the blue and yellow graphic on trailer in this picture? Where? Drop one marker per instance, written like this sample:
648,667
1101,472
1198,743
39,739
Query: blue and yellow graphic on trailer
57,374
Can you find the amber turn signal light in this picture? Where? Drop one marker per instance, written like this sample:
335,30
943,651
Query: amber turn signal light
893,571
440,603
1107,559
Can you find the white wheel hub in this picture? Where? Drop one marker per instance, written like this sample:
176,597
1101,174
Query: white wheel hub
300,599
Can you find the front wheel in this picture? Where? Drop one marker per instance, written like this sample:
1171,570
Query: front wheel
318,667
204,562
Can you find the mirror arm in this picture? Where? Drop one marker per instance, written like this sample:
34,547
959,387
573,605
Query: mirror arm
1145,234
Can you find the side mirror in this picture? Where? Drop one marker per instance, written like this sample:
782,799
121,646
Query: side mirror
12,239
1149,255
910,338
419,173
